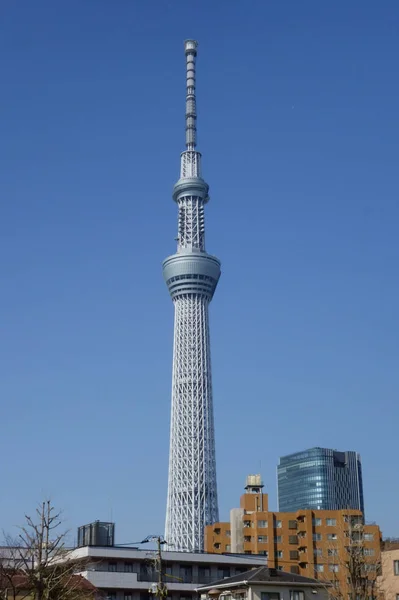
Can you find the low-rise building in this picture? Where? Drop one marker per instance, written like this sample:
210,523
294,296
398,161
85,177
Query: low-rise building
311,543
265,584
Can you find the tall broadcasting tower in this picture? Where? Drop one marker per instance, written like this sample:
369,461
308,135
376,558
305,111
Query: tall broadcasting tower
191,276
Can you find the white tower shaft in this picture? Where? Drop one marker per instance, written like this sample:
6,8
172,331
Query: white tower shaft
191,276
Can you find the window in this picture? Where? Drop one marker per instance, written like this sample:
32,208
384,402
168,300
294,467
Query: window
318,552
278,524
216,545
228,547
297,594
269,596
396,567
262,524
279,554
128,567
247,523
333,568
262,539
316,522
247,538
112,567
368,537
293,539
317,537
332,552
264,553
128,596
278,539
319,568
292,524
332,536
223,573
294,555
247,551
216,531
111,596
368,551
228,533
331,522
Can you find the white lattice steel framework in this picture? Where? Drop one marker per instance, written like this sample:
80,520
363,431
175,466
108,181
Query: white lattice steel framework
191,276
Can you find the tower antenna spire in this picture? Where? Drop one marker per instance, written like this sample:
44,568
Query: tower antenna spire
190,48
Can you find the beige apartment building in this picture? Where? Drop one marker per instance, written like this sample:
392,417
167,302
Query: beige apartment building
389,579
312,543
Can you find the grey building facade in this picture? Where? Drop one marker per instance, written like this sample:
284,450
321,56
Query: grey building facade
320,479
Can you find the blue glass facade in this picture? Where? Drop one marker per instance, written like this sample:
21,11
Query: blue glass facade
320,479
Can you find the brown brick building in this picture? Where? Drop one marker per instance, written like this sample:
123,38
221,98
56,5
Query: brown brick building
312,543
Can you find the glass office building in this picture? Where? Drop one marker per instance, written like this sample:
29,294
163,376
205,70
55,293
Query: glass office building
320,479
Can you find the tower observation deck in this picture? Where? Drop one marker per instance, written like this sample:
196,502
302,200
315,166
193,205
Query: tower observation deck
191,276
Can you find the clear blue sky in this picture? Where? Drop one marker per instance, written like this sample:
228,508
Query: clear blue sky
298,125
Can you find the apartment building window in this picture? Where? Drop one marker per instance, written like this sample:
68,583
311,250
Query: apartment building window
228,533
368,537
293,539
296,594
396,567
247,538
333,568
278,524
278,539
319,568
318,552
331,522
279,554
368,551
216,531
262,539
397,596
317,537
112,567
292,524
332,536
264,553
269,596
216,545
316,522
294,569
128,596
262,524
228,547
294,555
332,552
247,523
128,567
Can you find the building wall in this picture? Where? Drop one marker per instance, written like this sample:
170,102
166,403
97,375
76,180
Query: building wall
389,581
320,479
299,542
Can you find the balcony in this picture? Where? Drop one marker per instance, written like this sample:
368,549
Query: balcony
139,581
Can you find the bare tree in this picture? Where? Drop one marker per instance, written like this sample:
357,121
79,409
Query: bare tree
38,565
353,569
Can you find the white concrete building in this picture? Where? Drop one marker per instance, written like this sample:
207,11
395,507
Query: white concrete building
128,573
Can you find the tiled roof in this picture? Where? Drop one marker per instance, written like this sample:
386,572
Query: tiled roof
263,575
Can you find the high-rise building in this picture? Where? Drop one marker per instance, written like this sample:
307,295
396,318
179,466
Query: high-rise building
320,479
191,276
312,543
